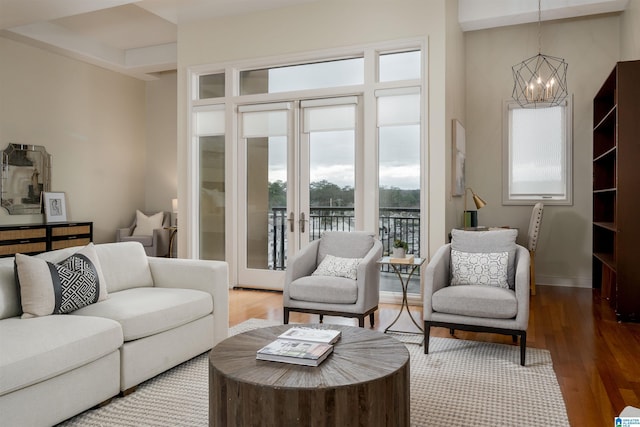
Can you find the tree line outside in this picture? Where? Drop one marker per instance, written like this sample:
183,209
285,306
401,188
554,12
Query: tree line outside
324,193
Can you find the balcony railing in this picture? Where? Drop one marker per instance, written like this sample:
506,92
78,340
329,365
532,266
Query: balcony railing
394,223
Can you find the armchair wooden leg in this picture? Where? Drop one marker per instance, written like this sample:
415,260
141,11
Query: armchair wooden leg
321,317
371,320
523,347
427,332
361,321
515,338
451,331
286,315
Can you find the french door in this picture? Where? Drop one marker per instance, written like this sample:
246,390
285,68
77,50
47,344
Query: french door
296,178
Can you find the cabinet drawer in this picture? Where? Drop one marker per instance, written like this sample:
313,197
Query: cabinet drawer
61,244
71,230
26,248
28,233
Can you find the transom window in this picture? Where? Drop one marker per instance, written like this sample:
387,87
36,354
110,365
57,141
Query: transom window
317,75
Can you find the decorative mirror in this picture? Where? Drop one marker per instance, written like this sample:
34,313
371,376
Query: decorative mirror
26,173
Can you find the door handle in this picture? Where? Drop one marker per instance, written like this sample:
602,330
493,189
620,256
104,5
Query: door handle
291,221
301,221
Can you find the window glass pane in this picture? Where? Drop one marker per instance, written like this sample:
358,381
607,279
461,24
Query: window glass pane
318,75
399,196
399,66
211,86
399,164
267,202
264,123
399,109
212,203
329,118
210,122
537,153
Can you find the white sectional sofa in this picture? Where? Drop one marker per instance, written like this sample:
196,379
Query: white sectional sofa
159,313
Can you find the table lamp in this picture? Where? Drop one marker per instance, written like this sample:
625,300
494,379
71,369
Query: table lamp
174,207
473,215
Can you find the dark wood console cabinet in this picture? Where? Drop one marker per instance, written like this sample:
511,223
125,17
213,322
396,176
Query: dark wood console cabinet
36,238
616,180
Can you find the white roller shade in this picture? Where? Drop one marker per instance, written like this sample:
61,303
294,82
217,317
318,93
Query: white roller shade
210,122
329,118
398,107
264,123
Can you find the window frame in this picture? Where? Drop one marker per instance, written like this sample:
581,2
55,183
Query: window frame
507,197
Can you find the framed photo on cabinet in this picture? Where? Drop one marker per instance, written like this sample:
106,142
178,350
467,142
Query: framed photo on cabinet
55,208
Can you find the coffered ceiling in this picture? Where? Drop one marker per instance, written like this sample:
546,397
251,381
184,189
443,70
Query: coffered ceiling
139,38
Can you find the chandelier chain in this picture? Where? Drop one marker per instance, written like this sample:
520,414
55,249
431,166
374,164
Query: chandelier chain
539,23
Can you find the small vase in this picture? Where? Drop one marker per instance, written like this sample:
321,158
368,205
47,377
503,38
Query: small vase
398,253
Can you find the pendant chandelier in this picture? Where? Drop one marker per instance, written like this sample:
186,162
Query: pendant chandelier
540,81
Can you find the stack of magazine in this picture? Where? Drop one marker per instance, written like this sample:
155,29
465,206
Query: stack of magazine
300,346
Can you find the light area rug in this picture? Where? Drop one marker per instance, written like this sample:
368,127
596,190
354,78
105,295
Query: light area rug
459,383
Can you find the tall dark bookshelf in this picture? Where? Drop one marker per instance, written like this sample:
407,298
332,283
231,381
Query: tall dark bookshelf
616,190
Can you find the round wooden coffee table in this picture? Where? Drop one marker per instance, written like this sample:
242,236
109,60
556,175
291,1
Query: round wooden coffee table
364,382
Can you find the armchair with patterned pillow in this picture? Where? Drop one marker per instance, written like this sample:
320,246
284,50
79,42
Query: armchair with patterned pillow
336,275
479,282
150,230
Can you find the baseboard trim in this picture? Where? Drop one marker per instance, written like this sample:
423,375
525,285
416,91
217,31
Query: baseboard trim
571,282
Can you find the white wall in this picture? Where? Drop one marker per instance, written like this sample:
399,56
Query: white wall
630,32
161,181
455,106
92,122
591,47
317,26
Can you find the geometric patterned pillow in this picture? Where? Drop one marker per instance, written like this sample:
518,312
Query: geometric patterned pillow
338,267
469,268
48,288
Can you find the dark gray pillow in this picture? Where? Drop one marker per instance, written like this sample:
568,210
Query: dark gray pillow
489,241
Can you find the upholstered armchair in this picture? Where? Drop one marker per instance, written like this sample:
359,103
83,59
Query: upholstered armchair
479,282
346,280
150,230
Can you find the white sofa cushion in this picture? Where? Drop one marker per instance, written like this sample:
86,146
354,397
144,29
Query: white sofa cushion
124,265
44,347
147,311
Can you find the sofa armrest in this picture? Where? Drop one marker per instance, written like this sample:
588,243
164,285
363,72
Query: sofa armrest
203,275
302,264
436,276
123,232
522,263
368,277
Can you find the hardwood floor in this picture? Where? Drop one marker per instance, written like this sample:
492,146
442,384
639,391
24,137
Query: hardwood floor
596,359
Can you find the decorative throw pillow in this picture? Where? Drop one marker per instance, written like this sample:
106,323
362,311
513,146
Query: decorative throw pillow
476,268
146,224
338,267
47,288
489,241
